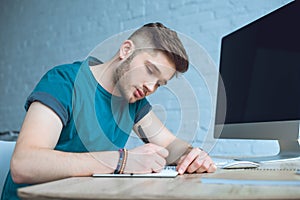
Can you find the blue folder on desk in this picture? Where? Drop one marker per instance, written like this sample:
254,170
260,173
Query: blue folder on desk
253,177
249,182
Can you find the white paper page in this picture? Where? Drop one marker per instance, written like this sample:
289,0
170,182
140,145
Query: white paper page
167,172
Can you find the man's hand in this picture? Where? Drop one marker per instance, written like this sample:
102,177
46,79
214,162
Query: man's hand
196,161
147,158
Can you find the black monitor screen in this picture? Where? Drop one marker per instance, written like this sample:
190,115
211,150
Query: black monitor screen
260,68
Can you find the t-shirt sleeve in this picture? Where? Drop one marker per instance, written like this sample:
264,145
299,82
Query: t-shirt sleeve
143,109
54,90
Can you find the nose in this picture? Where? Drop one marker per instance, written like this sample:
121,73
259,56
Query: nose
150,87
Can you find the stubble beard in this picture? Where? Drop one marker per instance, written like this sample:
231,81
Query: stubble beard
120,80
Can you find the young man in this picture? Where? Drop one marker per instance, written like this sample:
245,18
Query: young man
80,115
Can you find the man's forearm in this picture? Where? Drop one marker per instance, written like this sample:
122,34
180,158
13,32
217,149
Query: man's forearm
42,165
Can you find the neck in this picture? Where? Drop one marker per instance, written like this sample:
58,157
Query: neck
104,74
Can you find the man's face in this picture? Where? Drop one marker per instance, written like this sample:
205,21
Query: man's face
141,74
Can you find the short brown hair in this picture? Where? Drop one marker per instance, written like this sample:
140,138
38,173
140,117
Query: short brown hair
159,37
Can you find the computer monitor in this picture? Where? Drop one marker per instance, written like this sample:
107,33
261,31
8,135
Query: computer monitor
260,71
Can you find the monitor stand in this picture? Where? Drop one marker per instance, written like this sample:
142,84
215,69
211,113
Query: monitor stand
288,149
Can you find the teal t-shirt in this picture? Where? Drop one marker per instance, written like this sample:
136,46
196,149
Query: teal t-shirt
93,119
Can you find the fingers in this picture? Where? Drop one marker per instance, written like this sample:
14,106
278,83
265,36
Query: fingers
157,166
212,168
152,158
196,161
161,151
159,157
146,159
187,160
207,166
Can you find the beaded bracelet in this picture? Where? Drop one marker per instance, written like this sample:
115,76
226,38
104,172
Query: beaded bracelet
120,162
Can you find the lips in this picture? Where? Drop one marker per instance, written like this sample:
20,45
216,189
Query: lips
139,93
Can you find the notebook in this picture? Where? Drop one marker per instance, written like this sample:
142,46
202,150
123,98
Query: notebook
167,172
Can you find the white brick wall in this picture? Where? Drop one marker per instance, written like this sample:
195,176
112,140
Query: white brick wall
38,34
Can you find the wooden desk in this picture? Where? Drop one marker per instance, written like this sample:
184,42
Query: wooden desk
187,186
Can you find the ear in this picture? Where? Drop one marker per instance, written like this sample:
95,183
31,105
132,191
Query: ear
126,49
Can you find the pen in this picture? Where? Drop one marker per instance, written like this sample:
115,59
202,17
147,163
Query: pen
143,135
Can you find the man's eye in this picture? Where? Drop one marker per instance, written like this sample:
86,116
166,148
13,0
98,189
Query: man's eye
149,70
160,83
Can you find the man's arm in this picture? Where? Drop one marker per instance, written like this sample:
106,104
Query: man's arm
35,160
188,159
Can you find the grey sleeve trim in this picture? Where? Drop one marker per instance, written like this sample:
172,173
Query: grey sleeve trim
142,112
94,61
51,102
